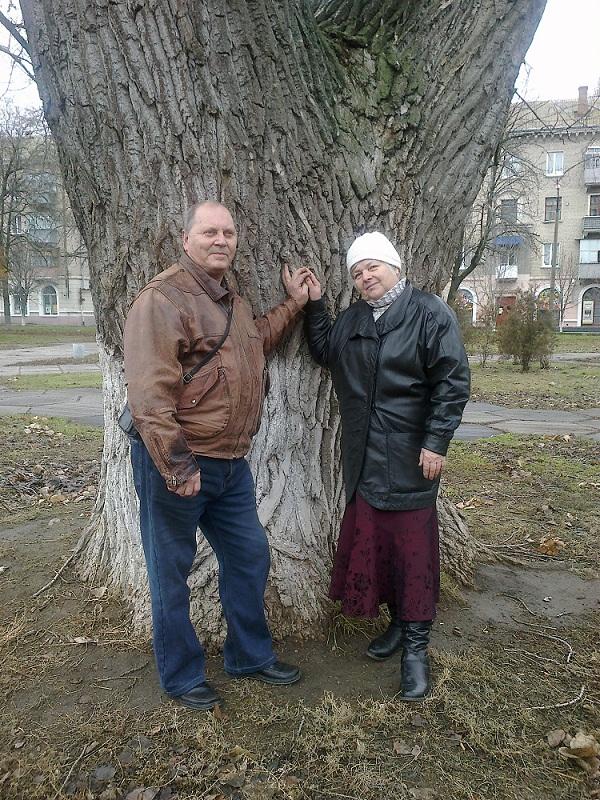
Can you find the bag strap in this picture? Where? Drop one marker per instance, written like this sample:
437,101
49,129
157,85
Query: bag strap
189,375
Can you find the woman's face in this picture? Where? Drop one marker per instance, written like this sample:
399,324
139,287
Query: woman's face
373,278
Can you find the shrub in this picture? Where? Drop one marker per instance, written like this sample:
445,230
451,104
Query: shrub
525,333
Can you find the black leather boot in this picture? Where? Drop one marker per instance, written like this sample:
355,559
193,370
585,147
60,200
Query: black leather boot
415,670
389,641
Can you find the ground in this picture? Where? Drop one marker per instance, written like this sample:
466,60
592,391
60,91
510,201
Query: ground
83,717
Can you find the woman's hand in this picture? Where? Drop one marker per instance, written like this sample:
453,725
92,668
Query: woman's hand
314,287
431,463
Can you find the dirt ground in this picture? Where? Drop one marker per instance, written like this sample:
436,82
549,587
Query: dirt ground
516,660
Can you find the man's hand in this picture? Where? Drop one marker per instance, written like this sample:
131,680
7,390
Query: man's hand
431,463
296,283
188,489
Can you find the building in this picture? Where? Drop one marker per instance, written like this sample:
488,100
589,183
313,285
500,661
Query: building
46,274
547,190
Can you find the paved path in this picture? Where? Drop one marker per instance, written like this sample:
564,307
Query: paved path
480,419
25,360
85,405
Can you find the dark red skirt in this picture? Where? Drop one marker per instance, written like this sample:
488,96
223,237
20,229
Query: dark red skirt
387,557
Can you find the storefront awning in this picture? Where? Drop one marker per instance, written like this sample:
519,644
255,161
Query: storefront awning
508,240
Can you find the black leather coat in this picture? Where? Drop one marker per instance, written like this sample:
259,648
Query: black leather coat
402,384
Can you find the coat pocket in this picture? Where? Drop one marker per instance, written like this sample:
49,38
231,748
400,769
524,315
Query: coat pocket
404,472
204,406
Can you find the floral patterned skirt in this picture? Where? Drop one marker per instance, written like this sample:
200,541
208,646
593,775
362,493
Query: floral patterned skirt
387,557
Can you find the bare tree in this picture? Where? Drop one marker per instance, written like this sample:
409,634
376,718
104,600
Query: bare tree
25,152
500,211
309,120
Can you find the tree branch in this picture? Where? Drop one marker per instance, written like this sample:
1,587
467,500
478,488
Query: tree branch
23,63
15,33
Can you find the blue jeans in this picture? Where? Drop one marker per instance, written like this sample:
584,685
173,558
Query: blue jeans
225,510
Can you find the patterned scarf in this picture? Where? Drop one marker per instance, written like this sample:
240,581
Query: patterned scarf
381,306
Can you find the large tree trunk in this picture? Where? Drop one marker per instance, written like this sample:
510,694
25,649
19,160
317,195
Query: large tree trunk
307,127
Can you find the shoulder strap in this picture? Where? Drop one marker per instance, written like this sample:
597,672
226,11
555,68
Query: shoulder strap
205,359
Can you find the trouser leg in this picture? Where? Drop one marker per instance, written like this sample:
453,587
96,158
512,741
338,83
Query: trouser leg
232,528
168,527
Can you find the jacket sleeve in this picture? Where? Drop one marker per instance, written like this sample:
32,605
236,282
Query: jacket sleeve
275,323
154,333
318,327
447,370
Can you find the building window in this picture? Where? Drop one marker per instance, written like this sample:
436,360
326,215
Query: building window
550,204
555,163
465,300
595,205
511,167
547,253
508,257
20,305
17,225
508,210
592,158
590,307
49,301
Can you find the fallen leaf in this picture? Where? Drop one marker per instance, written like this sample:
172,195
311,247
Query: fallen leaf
360,747
98,593
423,794
584,746
104,773
417,721
401,748
83,640
556,737
550,545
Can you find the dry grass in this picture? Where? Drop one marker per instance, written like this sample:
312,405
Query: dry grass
79,698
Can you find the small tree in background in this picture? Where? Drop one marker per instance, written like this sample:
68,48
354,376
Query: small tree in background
526,333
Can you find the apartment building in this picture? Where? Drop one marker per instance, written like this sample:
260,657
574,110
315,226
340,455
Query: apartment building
46,277
548,191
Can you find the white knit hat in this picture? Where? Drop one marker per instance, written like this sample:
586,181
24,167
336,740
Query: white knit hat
373,246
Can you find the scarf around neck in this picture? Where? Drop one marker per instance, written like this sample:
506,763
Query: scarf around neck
381,306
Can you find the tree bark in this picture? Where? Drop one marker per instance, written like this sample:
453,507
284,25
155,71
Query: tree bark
308,128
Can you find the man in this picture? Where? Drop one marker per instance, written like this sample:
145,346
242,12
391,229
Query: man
189,465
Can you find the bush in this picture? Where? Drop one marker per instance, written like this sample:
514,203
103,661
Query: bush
525,333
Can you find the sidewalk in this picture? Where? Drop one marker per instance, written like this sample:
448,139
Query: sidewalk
480,420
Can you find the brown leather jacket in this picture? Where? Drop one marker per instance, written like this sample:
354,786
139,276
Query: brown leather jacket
175,320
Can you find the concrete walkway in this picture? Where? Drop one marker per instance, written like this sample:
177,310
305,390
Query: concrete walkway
480,419
85,405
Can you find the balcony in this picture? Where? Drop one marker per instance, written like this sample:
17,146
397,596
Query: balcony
507,272
591,224
589,272
591,169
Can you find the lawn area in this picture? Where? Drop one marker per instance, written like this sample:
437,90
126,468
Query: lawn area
52,380
564,342
83,717
13,336
564,385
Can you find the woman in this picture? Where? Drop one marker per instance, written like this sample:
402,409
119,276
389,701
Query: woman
401,376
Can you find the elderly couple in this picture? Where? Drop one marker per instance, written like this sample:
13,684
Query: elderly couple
196,378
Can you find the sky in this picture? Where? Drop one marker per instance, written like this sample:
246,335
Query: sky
564,54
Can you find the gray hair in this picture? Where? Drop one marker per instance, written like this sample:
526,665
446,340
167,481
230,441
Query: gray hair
189,214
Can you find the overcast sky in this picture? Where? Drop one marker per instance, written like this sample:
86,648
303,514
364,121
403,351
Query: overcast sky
564,55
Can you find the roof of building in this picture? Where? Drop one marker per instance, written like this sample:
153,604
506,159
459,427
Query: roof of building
541,117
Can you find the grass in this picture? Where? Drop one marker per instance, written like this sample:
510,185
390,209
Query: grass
564,342
73,710
564,385
30,335
50,380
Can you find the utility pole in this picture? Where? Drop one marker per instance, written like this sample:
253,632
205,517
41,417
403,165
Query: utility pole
553,263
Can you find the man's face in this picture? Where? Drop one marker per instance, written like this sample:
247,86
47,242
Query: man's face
211,241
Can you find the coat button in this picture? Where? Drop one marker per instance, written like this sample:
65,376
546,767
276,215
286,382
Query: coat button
193,402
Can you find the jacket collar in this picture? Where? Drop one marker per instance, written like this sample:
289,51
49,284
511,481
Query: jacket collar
216,291
366,325
396,312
